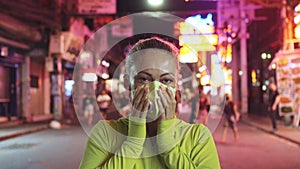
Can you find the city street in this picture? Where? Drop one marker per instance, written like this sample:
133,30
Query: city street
56,149
256,150
48,149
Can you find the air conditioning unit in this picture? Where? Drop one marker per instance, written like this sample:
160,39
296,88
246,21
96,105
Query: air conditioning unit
61,43
56,45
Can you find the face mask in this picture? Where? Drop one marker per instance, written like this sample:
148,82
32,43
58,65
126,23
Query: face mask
153,112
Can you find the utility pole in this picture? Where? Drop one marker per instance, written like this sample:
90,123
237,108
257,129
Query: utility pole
243,58
235,14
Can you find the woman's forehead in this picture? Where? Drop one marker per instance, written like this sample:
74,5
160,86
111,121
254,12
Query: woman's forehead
156,73
149,59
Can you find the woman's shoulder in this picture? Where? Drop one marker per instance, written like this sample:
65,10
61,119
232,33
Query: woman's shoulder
195,131
109,126
200,133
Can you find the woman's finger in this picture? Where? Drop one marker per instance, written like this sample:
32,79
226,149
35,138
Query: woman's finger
136,94
163,97
170,93
140,102
161,109
145,108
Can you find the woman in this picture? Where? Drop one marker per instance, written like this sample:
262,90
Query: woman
231,117
297,113
203,113
151,137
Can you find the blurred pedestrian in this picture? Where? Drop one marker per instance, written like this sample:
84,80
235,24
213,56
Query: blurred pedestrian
274,99
184,110
103,100
208,100
89,111
194,105
203,102
297,113
231,117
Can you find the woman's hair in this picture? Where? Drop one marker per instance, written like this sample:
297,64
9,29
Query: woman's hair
154,42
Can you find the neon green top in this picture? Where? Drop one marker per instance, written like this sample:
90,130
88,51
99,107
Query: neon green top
178,145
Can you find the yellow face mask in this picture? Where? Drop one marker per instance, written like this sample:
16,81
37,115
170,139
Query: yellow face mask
153,112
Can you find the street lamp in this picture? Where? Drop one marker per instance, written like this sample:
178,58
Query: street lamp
155,2
263,56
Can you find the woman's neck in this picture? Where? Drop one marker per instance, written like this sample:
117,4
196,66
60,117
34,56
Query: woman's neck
151,128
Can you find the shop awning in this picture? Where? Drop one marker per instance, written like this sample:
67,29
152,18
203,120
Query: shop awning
291,54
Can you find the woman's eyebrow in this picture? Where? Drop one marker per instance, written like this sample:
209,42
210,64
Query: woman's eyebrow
145,73
165,74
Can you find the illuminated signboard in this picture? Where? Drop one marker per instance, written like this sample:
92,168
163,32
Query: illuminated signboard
188,54
204,25
297,21
187,28
198,33
198,39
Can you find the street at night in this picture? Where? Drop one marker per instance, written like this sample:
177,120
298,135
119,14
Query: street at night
56,149
141,73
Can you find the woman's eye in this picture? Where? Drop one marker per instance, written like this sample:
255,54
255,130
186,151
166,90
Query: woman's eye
167,81
143,80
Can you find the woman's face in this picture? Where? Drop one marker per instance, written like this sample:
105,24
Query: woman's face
153,65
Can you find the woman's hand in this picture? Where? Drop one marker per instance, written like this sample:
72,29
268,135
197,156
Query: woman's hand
137,116
166,103
140,103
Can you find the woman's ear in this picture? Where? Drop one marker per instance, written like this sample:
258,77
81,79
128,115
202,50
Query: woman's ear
126,82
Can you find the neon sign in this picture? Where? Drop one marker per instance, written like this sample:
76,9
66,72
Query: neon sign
204,25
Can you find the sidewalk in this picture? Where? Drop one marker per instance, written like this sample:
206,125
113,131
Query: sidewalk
264,124
15,129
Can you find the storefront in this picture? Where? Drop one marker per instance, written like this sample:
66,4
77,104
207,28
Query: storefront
10,63
287,64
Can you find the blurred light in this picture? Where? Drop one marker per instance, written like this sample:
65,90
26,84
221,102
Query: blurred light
98,61
263,56
273,66
240,73
186,0
198,39
297,19
267,82
253,76
105,63
297,32
85,54
187,55
297,8
202,68
233,35
105,76
205,80
155,2
228,58
247,20
4,51
269,56
264,87
89,77
297,14
68,87
198,75
197,20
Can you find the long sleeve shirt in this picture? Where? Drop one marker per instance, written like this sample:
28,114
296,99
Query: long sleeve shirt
124,144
